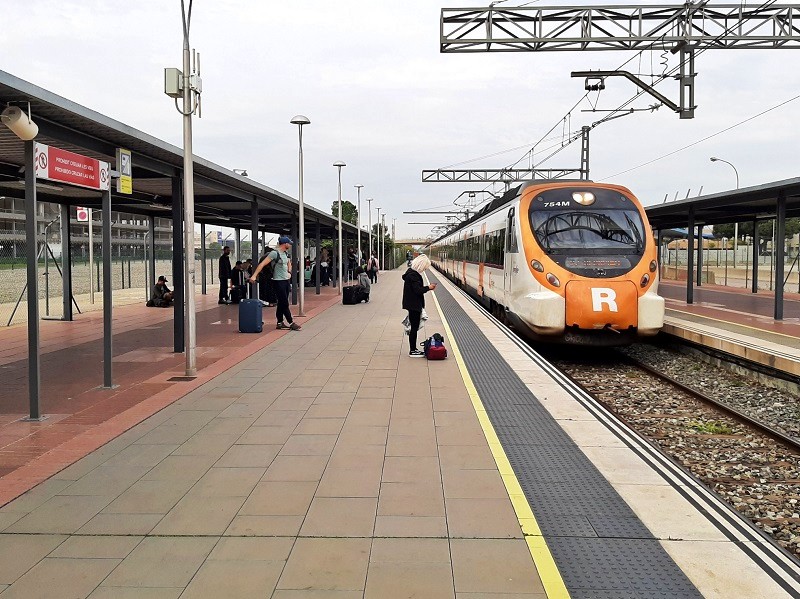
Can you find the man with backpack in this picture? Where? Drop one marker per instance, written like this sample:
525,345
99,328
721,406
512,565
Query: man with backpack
224,274
281,280
372,268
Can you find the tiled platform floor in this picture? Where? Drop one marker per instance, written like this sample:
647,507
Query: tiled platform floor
80,415
329,464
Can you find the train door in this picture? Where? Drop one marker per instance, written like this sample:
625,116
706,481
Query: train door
481,259
510,268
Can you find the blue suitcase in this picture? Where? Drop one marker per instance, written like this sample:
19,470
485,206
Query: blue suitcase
250,316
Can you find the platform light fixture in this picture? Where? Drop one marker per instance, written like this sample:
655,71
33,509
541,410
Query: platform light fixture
19,123
299,244
340,261
240,171
735,225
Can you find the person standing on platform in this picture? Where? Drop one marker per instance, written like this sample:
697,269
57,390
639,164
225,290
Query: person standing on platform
414,290
372,268
282,280
224,274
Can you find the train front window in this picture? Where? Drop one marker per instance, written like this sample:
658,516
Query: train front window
587,229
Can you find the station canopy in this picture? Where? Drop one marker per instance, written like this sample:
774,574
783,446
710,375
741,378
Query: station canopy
222,197
740,205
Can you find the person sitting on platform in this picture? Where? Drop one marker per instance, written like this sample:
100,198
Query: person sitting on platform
161,297
362,285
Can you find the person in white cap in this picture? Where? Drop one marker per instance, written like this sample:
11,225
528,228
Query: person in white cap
282,280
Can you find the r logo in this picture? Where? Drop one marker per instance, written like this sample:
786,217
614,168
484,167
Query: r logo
602,295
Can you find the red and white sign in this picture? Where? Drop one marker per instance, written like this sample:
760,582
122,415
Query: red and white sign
83,214
59,165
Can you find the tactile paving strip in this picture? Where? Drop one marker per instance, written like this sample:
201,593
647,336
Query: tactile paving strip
602,549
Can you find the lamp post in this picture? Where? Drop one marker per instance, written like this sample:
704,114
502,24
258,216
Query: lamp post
378,239
358,222
301,120
735,225
383,240
339,164
369,211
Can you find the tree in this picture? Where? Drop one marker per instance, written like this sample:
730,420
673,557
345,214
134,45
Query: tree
764,230
349,211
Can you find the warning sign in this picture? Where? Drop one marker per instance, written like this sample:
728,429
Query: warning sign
83,214
59,165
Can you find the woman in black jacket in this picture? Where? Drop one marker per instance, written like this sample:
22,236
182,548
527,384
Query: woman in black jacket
414,291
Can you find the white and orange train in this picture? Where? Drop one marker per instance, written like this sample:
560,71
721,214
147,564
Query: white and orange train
569,262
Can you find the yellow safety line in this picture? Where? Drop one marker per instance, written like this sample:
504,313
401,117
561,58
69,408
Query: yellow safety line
736,324
542,558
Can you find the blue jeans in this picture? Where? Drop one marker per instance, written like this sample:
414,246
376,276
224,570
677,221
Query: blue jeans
282,289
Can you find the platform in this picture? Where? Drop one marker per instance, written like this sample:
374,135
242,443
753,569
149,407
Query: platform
331,464
736,322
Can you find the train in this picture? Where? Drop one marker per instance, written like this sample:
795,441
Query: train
561,262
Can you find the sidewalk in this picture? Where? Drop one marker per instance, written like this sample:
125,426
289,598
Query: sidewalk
81,415
328,465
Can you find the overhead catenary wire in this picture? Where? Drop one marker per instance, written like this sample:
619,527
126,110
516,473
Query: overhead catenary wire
699,141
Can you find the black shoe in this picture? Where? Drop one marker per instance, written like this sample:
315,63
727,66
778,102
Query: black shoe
415,353
222,302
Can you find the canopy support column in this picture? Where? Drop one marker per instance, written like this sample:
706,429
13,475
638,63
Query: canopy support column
177,264
777,251
203,289
254,245
31,248
66,265
699,255
298,276
151,237
755,256
690,258
318,258
108,298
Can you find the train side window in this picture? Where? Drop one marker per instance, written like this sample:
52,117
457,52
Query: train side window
501,248
511,237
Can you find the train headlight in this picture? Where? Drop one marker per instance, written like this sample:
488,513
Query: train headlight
653,265
584,198
553,280
537,266
645,280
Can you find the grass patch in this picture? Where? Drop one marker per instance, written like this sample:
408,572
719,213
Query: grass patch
711,428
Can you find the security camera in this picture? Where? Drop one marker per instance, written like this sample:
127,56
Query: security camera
20,123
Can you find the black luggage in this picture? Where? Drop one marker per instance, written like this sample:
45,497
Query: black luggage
350,295
236,295
250,316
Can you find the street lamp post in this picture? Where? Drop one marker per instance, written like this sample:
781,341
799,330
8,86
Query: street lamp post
358,222
383,240
378,240
369,211
735,225
299,243
339,164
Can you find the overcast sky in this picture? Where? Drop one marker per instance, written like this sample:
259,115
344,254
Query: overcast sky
382,98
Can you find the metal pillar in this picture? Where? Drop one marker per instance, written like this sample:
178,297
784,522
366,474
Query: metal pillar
177,264
659,242
318,258
203,258
700,256
585,153
298,277
108,298
33,284
754,287
238,249
690,258
151,235
777,251
66,265
254,244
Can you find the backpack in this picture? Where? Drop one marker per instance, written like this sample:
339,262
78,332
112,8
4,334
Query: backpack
434,348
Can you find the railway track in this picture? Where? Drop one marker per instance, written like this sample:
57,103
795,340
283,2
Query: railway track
752,464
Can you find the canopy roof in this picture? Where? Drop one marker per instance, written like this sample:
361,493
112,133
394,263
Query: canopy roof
222,197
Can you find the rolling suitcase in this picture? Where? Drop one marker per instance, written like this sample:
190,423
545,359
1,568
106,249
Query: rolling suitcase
236,295
350,295
250,316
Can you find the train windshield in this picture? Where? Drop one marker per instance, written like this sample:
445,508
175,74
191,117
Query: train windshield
620,230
